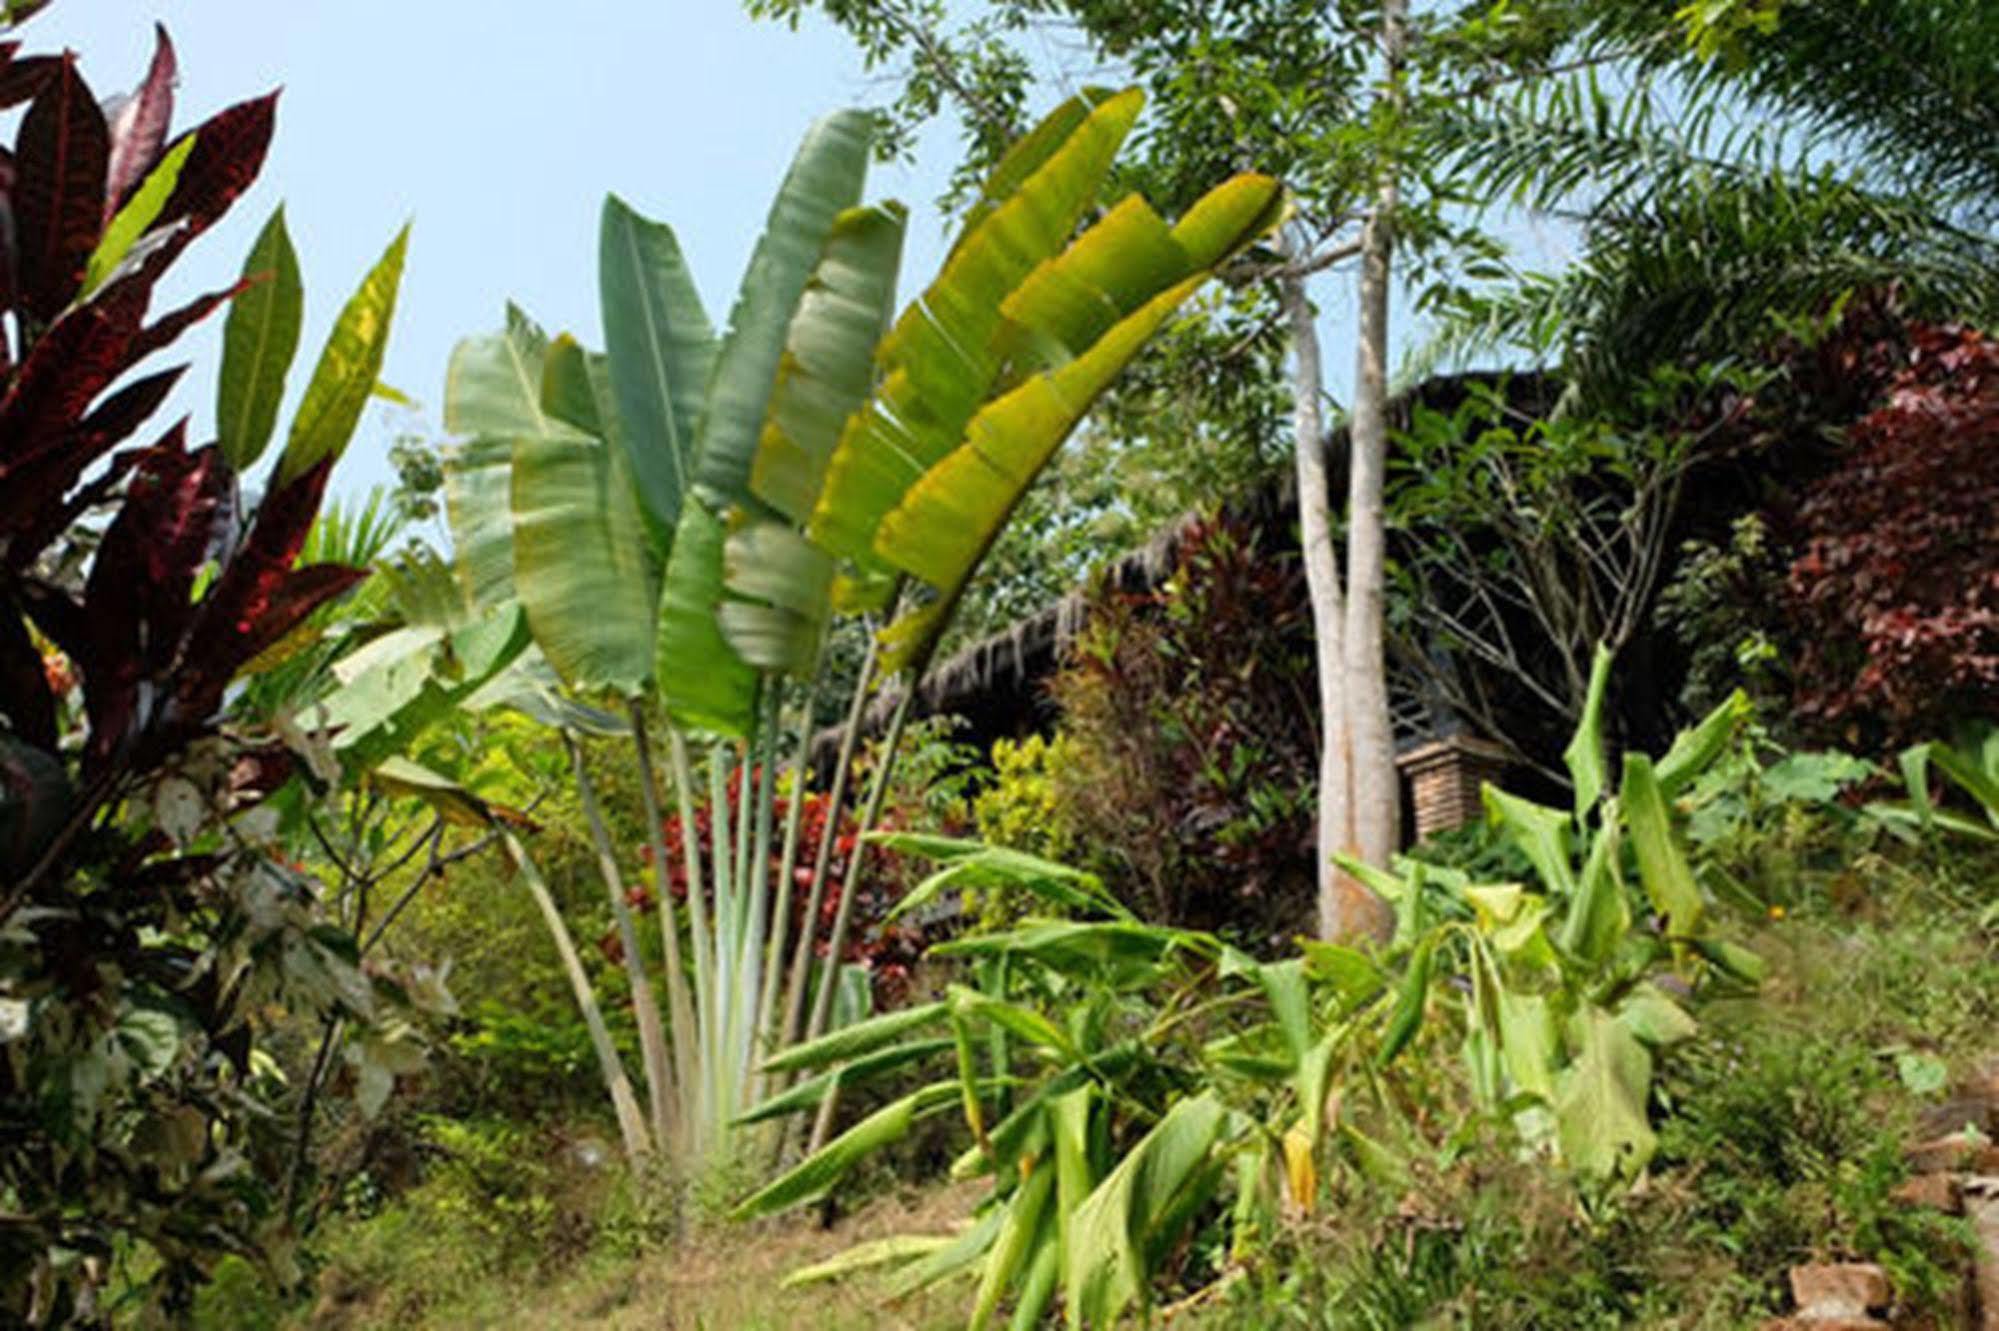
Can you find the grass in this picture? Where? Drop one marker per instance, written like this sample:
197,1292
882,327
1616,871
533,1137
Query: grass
1781,1133
1781,1127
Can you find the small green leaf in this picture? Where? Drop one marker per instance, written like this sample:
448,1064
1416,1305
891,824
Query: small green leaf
863,1037
1662,861
348,370
259,340
136,217
1584,756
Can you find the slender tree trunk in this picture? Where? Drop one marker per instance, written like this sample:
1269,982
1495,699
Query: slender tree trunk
652,1036
1322,587
1376,792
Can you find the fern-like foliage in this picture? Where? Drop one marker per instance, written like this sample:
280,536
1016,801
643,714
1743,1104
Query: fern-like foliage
1716,196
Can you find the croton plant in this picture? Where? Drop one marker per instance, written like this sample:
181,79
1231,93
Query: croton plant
147,924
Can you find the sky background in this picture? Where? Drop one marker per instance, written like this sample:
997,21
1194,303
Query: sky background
497,128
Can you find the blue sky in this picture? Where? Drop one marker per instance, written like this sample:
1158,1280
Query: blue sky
498,128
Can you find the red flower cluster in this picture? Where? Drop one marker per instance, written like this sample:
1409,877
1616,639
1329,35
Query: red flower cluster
888,952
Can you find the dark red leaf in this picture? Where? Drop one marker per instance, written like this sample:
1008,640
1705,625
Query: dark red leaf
54,449
229,150
9,286
140,127
59,197
168,327
22,79
75,360
102,430
267,608
258,597
136,600
25,699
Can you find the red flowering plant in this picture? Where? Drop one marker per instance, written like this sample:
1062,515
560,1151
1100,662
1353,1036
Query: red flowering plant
887,952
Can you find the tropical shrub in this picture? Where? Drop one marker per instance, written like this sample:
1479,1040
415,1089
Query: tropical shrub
1895,586
1148,1100
149,929
1186,750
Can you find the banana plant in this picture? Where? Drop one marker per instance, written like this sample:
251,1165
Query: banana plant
1576,980
681,517
1136,1078
1120,1084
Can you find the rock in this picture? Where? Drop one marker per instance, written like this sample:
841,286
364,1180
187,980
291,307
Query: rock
1957,1152
1825,1291
1934,1192
1975,1106
1981,1204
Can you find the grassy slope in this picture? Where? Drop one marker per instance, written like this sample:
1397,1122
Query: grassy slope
1780,1144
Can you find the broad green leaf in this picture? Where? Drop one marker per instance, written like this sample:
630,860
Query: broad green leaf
886,1252
1028,154
1662,861
493,385
569,390
661,351
1015,1247
347,371
400,776
974,865
1584,756
952,1259
820,1171
940,357
1528,1042
1112,1230
780,597
1110,951
828,366
807,1094
1100,301
136,218
1407,1016
1113,269
825,181
893,1250
400,684
1974,765
478,504
1542,834
859,1039
1600,1101
1069,1128
1598,915
1354,976
1653,1017
1694,749
702,681
582,563
1014,1133
259,339
1379,880
1024,1022
949,518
